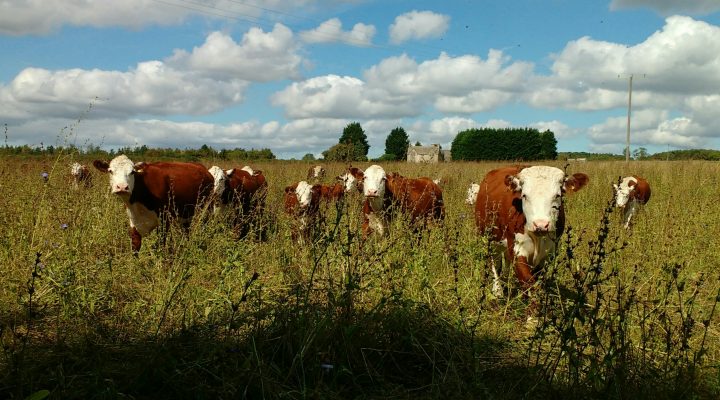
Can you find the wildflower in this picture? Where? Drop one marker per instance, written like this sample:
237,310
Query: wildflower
63,226
45,176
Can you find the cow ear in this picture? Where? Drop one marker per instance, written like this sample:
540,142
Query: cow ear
139,168
101,166
615,186
512,182
257,172
576,182
230,172
289,189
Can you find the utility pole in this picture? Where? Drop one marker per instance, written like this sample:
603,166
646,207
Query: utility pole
629,112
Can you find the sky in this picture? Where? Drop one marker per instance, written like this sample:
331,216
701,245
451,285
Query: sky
290,75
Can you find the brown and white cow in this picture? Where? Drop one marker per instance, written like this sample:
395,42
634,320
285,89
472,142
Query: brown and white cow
332,193
316,173
245,191
421,198
521,209
302,203
80,175
352,180
632,192
150,189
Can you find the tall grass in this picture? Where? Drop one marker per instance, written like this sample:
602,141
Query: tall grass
203,315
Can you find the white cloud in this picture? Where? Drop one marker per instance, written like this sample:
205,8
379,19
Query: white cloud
333,96
150,88
667,7
418,25
32,17
259,57
331,31
648,127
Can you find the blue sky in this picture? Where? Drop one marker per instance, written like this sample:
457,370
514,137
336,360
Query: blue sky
289,75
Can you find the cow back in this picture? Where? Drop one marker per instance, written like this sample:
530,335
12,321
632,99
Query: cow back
421,196
179,185
641,191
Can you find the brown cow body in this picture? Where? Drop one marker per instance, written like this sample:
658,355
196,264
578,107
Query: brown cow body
420,198
505,197
150,189
245,192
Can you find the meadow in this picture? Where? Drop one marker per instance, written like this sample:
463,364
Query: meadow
204,315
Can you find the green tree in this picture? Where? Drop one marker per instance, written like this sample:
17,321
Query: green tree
355,135
417,143
340,152
640,153
548,146
308,157
397,144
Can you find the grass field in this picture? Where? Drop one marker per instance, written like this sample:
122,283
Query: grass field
621,315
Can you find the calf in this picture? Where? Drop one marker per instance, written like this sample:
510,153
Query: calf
149,189
80,175
316,173
630,194
244,191
302,202
421,198
521,209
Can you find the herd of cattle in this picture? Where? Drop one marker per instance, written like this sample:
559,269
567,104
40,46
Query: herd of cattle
520,208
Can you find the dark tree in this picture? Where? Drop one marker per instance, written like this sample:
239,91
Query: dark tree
519,144
548,146
397,143
355,135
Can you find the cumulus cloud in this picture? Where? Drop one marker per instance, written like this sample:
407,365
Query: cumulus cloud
418,25
260,56
208,79
668,7
648,127
331,31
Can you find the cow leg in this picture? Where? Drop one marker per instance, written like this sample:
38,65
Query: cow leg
136,240
497,289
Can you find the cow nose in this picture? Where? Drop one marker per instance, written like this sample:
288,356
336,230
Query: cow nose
541,225
371,193
121,188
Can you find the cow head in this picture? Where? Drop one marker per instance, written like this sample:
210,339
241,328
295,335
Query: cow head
304,193
623,191
76,169
472,193
350,181
374,181
122,173
248,169
220,178
541,189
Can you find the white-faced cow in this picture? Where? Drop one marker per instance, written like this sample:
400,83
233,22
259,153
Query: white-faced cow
471,194
244,192
148,190
421,198
630,194
302,203
80,175
316,173
352,180
521,209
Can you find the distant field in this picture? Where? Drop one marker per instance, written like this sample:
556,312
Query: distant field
206,316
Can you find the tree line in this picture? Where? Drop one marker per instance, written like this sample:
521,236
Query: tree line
526,144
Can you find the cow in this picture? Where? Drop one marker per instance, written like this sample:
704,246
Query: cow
80,175
245,190
421,198
471,194
632,192
148,190
316,173
521,209
332,193
302,202
352,180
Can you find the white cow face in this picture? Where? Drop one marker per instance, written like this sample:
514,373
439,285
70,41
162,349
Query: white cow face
472,193
303,191
76,169
374,181
541,189
349,182
622,191
122,174
220,178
